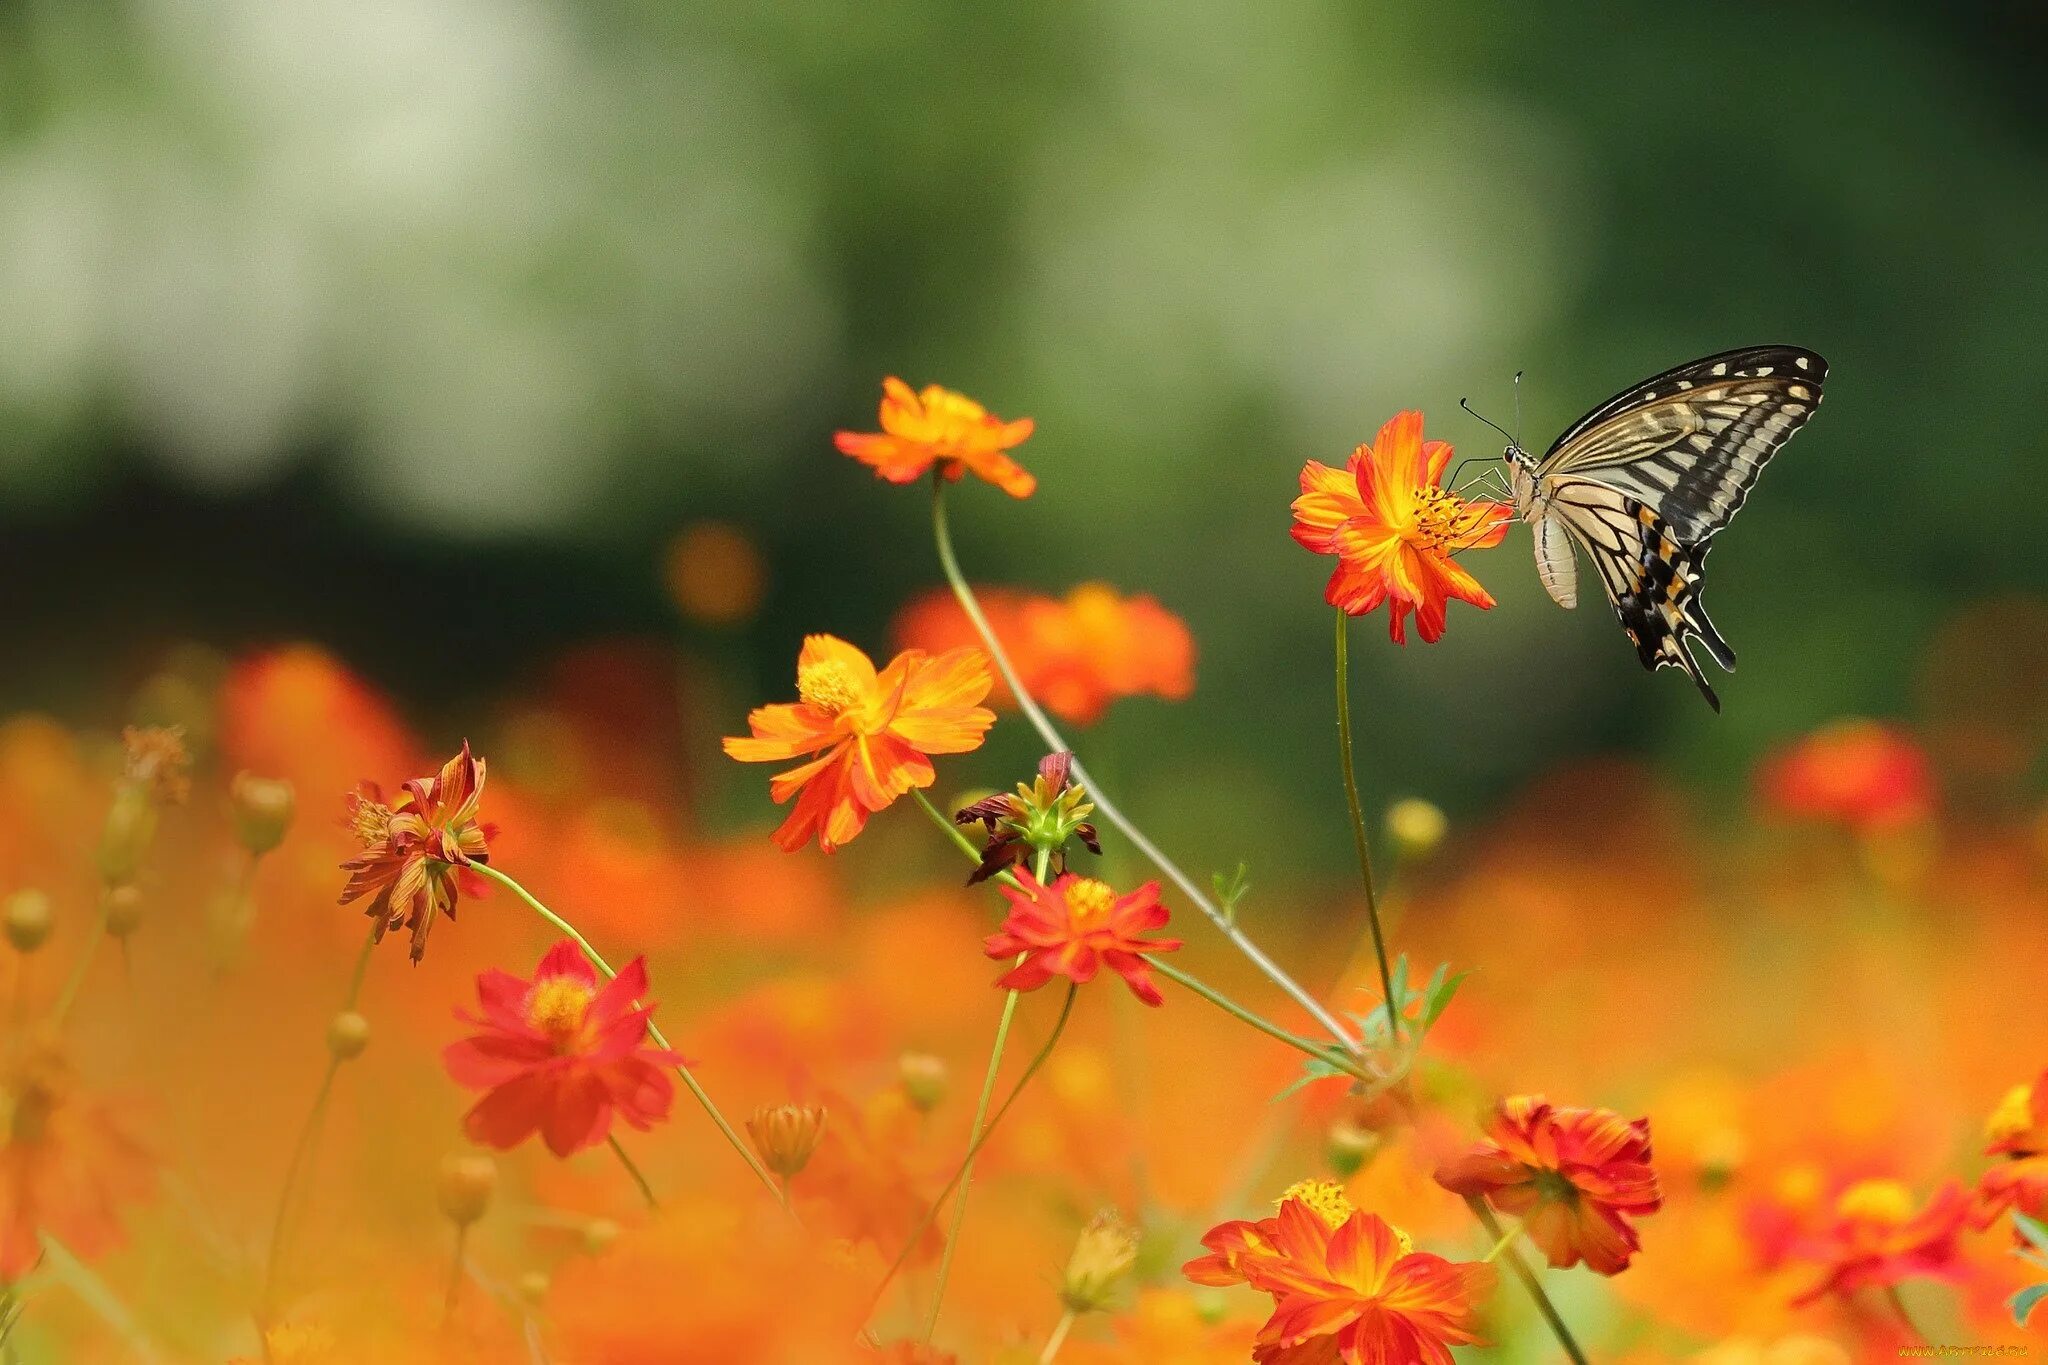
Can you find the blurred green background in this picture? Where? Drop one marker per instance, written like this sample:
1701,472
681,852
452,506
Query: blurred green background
417,328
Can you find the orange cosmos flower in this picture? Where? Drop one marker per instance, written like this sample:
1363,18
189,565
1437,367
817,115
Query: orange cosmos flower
1859,773
944,428
417,850
560,1055
1076,926
66,1168
1346,1286
2018,1131
1877,1238
1394,530
1074,654
1573,1176
871,733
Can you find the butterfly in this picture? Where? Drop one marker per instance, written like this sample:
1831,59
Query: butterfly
1645,481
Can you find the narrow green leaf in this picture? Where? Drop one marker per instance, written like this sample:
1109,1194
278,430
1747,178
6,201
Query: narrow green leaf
1441,991
1314,1069
2032,1229
2024,1301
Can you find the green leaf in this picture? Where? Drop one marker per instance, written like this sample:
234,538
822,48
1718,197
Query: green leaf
2031,1229
1442,987
2024,1301
1231,890
1313,1069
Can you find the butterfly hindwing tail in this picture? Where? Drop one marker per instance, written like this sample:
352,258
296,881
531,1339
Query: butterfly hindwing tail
1660,607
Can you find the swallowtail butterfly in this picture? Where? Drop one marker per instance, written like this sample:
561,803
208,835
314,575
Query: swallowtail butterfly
1643,483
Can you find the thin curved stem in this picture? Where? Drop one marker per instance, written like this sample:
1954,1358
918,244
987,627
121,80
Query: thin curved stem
633,1169
682,1068
1057,1339
65,1267
83,967
455,1273
1358,835
1529,1281
1106,808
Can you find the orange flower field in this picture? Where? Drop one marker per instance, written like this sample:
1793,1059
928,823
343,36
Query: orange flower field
335,1034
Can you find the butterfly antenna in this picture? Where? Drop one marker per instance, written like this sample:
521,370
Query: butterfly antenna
1518,407
1467,406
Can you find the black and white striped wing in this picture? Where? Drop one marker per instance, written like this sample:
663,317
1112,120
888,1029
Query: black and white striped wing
1651,575
1690,443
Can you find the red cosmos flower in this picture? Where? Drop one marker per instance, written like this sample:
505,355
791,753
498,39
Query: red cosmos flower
938,426
418,849
1573,1176
1876,1238
871,733
1346,1286
1860,773
560,1054
1075,926
1394,530
67,1166
2018,1131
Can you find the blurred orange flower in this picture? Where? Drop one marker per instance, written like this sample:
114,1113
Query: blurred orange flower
872,733
1076,926
1394,530
67,1168
416,851
1074,654
938,426
2018,1131
1860,773
560,1055
1573,1176
1876,1237
1346,1286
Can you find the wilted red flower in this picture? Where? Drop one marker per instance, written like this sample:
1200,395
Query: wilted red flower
1048,811
1346,1286
1860,773
1573,1176
1394,530
417,850
2018,1131
939,426
1876,1237
560,1054
1074,654
67,1166
154,759
1075,926
871,733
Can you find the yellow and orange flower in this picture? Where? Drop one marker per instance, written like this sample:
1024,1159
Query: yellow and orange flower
68,1165
1394,530
872,733
1876,1237
1074,928
1574,1177
1859,773
1346,1286
417,850
940,427
1075,654
2017,1131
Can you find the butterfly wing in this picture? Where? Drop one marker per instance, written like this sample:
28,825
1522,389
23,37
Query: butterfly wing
1691,442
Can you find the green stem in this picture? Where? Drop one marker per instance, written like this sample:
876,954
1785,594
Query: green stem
1529,1282
1057,1339
1507,1240
682,1069
83,967
455,1273
1358,835
1107,809
633,1169
94,1292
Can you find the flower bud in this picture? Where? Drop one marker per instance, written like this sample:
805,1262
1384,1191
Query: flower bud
348,1033
1348,1146
598,1235
924,1079
1416,827
1103,1254
29,919
786,1134
262,808
125,838
124,910
467,1180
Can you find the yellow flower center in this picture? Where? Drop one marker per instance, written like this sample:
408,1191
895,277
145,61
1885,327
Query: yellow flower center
1089,900
1876,1201
558,1006
830,686
2013,1117
1443,518
370,821
1325,1197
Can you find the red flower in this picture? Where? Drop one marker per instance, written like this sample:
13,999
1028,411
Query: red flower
417,850
559,1054
1573,1176
2018,1131
66,1167
871,733
1075,926
1860,773
1876,1238
1346,1286
1394,530
938,426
